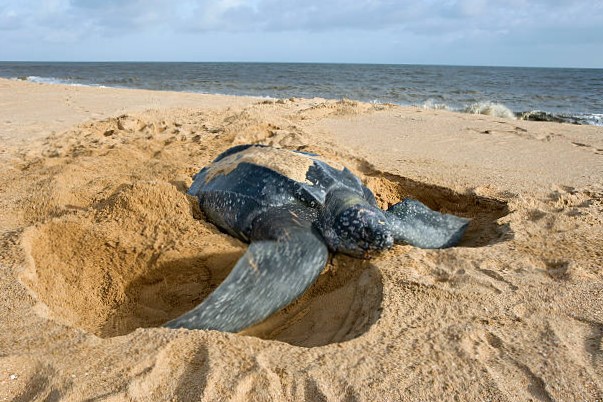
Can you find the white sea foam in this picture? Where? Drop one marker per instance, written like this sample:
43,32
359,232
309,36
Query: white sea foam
595,119
490,109
45,80
487,108
430,104
55,81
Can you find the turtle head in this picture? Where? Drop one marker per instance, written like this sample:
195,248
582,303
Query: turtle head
352,226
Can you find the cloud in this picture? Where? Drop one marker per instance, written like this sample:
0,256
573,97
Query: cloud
129,14
288,15
323,15
452,26
424,17
9,20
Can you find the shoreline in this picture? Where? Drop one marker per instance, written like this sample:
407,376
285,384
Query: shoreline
100,247
423,86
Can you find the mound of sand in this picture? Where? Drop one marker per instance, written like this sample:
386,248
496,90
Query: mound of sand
101,245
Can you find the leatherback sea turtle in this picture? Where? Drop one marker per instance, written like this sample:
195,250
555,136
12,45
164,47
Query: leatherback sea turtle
293,207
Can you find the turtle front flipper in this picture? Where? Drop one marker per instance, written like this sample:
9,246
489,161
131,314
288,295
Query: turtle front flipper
414,223
270,275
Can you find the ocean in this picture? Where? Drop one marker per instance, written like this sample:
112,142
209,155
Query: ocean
552,94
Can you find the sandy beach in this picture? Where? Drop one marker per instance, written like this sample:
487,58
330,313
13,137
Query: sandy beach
100,246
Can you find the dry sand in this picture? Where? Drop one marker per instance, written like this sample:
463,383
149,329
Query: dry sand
100,246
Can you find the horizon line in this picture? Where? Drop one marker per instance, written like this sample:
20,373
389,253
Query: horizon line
299,62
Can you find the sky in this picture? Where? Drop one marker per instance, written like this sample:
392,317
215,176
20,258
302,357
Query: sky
543,33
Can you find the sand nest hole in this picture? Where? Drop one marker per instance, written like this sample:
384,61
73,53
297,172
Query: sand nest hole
140,258
145,255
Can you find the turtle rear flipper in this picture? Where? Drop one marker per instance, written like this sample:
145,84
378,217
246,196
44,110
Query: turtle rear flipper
414,223
269,276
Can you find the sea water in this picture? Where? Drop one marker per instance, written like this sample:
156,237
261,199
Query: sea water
558,94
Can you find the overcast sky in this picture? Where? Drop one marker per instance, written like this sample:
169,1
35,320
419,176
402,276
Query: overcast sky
550,33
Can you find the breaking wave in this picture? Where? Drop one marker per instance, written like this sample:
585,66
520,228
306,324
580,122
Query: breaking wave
490,109
499,110
486,108
54,80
